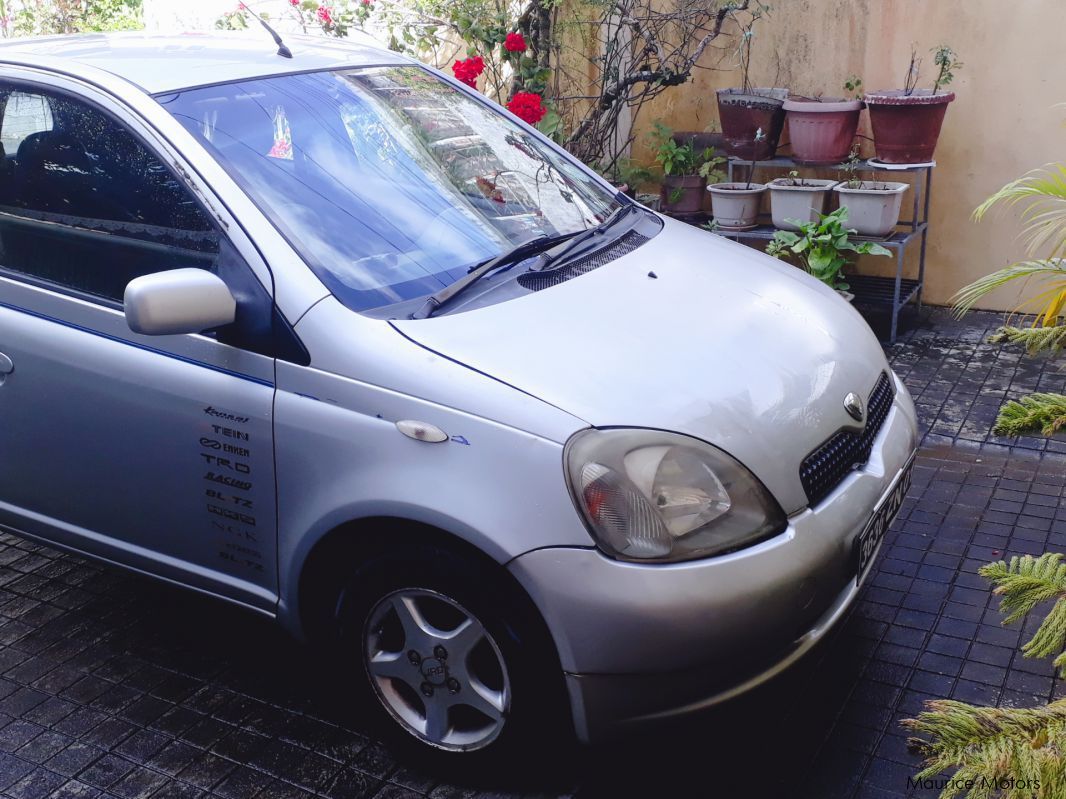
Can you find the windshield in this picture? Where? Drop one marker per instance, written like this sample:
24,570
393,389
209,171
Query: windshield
390,182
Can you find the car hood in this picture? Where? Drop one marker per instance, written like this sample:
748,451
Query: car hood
689,332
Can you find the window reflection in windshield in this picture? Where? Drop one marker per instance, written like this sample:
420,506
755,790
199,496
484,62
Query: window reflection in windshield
390,182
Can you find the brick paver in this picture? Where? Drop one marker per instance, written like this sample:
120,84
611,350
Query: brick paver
111,685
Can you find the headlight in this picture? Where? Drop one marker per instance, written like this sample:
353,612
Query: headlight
653,496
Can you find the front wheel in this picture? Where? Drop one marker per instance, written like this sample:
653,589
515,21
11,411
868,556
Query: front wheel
451,661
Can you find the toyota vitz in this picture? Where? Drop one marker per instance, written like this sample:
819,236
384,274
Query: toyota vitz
330,336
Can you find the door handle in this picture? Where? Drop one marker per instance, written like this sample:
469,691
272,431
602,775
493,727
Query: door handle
6,366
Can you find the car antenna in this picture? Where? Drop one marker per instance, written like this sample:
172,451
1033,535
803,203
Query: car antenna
283,50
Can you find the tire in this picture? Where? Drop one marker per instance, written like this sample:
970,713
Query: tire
452,662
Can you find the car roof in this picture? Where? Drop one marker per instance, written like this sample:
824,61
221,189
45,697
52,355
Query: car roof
165,63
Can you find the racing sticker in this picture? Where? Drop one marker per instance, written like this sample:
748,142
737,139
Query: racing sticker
226,456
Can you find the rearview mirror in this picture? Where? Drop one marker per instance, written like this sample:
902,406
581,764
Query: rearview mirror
178,301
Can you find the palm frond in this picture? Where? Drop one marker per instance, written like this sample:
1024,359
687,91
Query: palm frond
1043,412
1043,192
1034,339
1013,753
1051,271
1026,582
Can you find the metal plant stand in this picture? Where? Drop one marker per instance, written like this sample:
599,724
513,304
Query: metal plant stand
870,291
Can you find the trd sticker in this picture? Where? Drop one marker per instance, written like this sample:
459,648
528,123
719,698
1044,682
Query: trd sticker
232,522
226,463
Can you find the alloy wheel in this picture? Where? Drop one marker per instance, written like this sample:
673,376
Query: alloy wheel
436,669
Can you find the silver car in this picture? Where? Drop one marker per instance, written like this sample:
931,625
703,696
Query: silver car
334,338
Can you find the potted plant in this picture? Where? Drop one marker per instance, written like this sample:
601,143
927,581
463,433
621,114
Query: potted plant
744,110
736,205
821,129
906,122
793,198
686,172
821,247
625,175
873,205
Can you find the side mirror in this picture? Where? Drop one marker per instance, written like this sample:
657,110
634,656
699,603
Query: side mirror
178,301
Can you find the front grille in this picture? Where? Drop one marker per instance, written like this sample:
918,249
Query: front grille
823,469
535,281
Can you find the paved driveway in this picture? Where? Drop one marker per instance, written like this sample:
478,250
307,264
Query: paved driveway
111,685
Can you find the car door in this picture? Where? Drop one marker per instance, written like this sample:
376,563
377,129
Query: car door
152,452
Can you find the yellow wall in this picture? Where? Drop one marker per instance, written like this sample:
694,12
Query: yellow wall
1001,124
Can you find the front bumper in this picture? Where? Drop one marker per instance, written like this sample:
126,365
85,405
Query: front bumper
645,642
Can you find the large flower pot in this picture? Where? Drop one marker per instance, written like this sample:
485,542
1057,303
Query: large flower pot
742,113
822,131
906,127
736,205
682,194
873,207
802,203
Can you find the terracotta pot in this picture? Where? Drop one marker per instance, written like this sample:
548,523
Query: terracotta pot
742,113
873,207
736,205
688,191
801,203
822,131
906,127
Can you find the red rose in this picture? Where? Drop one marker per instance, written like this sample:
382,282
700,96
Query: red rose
294,2
467,70
325,15
527,107
514,43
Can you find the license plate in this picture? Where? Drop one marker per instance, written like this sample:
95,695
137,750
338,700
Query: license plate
870,538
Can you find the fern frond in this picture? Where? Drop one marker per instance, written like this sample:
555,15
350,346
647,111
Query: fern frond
1034,339
1043,192
1026,582
1013,753
1043,412
1052,270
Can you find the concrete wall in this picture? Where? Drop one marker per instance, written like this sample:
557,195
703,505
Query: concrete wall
1001,125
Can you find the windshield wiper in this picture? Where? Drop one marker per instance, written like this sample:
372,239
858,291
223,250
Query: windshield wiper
437,300
547,259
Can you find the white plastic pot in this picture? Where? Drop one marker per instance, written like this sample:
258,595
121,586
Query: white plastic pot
873,207
736,205
801,203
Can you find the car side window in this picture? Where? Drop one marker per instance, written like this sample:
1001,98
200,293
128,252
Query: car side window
23,114
84,205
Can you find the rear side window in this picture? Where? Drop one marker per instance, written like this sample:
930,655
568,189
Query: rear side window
84,205
23,114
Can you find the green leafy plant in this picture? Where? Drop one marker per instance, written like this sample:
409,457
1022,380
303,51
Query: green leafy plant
1042,196
851,168
42,17
853,86
793,178
822,247
710,168
947,62
1014,753
684,159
